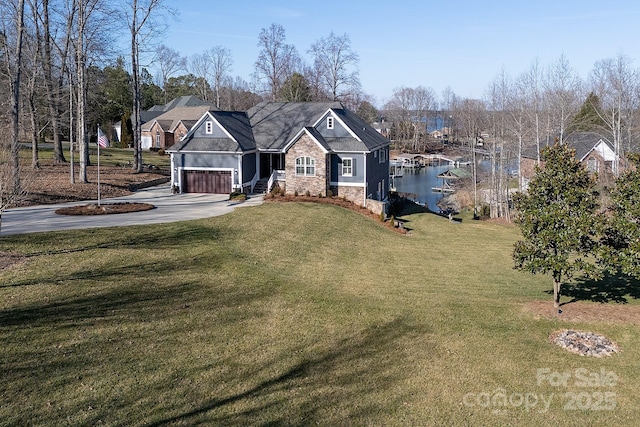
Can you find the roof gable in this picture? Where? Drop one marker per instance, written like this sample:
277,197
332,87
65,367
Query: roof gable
315,136
585,142
169,119
275,124
230,131
339,129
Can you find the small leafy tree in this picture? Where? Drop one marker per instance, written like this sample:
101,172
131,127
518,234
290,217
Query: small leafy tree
559,221
621,248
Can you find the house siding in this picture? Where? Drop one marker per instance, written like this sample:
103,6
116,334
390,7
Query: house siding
201,130
249,168
206,160
358,167
338,130
315,185
378,174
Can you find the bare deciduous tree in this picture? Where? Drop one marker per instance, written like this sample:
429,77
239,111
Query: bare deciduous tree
221,61
276,61
563,90
170,62
615,83
13,29
141,24
336,64
199,66
498,94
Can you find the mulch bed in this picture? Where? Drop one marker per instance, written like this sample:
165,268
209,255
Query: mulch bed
105,209
335,201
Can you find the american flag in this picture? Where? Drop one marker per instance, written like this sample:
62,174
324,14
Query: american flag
103,141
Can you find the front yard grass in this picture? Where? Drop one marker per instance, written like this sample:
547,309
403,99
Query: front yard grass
292,314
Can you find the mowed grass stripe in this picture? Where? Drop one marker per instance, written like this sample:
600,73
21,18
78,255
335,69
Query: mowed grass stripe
285,314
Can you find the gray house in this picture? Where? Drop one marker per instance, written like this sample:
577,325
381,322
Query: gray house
319,148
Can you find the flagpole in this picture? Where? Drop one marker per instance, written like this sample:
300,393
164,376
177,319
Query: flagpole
98,165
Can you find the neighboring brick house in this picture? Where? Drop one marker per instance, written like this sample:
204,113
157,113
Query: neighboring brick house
316,148
169,127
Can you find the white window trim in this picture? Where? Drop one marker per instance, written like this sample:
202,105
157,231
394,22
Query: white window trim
308,165
383,157
330,122
208,127
350,167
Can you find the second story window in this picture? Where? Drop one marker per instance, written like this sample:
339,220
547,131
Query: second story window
329,122
383,156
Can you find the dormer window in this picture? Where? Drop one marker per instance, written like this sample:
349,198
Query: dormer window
329,122
208,127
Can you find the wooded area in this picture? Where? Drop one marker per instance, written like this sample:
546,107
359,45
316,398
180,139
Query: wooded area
64,75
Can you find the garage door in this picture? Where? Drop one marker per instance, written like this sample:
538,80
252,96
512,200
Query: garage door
202,181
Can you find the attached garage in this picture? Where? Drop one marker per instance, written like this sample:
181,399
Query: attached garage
206,181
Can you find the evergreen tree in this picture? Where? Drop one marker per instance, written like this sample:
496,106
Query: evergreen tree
621,248
558,220
295,89
587,119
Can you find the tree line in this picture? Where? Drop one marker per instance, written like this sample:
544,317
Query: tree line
53,70
523,114
63,78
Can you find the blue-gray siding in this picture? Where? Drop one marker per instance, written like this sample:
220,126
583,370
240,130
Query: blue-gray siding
206,160
358,168
249,167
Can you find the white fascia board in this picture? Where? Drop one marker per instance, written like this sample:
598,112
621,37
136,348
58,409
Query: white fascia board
153,122
605,150
223,129
602,149
197,125
335,117
347,184
351,152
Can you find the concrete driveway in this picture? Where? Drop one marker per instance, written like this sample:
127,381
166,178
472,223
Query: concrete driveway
169,208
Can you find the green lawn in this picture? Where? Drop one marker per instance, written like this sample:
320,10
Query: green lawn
293,314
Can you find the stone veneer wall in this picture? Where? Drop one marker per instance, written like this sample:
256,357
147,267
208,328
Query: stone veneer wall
376,206
305,146
353,194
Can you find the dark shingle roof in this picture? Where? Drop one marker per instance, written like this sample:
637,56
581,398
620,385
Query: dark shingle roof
371,138
185,101
318,137
235,123
272,125
276,123
583,142
169,119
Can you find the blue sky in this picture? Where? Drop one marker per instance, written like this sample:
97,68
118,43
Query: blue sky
460,44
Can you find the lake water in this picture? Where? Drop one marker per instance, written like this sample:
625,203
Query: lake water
420,182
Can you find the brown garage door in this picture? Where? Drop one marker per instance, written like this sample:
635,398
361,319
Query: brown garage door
218,182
